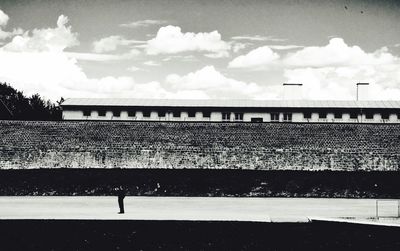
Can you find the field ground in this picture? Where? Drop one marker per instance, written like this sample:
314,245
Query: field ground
192,223
192,208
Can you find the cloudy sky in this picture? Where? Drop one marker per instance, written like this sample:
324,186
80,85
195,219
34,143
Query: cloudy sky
201,49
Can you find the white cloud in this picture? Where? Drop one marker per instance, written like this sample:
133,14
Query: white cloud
257,59
215,85
258,38
36,63
100,57
236,47
111,43
185,58
3,22
339,83
49,70
285,47
3,18
45,40
171,40
151,63
108,44
55,75
143,23
336,53
134,68
332,71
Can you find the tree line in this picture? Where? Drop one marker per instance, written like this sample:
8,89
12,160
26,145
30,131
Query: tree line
15,105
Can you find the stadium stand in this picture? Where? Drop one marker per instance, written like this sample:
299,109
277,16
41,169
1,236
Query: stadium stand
179,145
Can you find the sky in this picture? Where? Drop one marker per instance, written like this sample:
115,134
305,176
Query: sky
201,49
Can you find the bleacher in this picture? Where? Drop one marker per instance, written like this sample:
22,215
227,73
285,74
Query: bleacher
178,145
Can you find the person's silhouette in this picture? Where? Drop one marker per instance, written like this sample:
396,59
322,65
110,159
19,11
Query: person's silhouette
121,196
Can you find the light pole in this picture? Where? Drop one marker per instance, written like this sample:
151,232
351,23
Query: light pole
296,84
357,88
290,84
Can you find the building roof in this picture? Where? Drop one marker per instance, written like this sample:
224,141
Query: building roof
130,102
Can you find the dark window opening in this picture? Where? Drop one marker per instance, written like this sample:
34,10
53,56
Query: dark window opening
131,113
192,114
86,113
226,116
353,115
257,120
322,115
338,115
116,113
176,114
239,116
161,114
146,114
385,115
287,117
102,113
369,115
307,115
206,114
275,117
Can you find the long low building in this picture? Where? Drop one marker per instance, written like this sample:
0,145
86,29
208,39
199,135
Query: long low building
199,145
232,110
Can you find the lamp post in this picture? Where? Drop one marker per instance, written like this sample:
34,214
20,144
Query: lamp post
358,84
297,84
290,84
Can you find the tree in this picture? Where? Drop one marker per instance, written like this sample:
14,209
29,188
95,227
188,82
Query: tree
14,105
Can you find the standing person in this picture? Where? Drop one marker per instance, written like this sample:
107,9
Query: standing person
121,196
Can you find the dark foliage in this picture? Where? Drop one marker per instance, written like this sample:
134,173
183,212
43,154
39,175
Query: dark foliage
15,105
166,182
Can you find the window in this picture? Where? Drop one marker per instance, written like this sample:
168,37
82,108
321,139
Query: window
206,114
385,115
146,114
86,113
322,115
131,113
176,114
226,116
192,114
275,117
102,113
353,115
239,116
116,113
257,120
161,114
287,117
338,115
369,115
307,115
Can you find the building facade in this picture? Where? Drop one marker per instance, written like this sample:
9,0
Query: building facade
300,111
